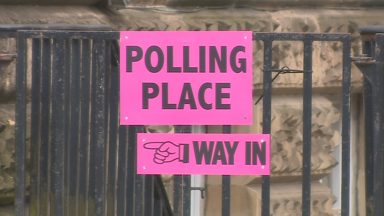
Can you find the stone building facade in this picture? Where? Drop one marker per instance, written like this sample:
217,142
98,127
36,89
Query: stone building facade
328,16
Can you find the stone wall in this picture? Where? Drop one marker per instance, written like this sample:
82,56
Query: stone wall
286,111
270,4
51,2
7,152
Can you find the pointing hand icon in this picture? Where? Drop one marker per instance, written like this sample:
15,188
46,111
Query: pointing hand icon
166,152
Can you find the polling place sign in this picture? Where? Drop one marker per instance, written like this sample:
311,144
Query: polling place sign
205,154
186,77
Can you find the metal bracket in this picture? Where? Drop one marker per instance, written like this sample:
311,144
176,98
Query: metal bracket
201,189
283,70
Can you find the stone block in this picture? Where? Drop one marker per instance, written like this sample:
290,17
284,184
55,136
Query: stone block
253,3
285,199
7,154
51,2
286,131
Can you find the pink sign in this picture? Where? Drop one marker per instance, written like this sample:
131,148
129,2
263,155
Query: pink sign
205,154
186,77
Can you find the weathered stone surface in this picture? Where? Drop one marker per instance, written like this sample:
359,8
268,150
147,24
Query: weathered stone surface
7,154
287,143
287,126
7,70
285,200
51,15
254,3
52,2
195,19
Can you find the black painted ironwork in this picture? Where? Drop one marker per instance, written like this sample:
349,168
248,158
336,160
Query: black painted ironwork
307,39
372,67
84,163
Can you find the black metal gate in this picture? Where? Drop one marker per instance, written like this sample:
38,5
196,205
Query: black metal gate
83,163
372,67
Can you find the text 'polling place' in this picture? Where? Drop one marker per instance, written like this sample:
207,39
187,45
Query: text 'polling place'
186,78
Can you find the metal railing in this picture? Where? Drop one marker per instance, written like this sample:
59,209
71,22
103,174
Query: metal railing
83,162
307,39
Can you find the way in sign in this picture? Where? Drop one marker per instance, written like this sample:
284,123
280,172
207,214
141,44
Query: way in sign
203,154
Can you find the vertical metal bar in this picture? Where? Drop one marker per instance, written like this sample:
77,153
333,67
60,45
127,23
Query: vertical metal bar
133,201
35,128
122,174
158,204
267,91
57,150
177,194
307,127
107,71
149,186
177,190
83,148
98,125
226,185
346,125
74,128
91,208
368,127
177,187
187,184
138,179
186,195
20,125
113,98
45,127
136,183
184,182
149,202
378,128
67,122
